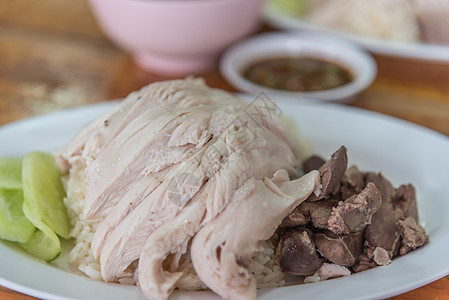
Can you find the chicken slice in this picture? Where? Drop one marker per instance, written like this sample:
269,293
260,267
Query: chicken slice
138,150
94,136
221,251
74,150
111,147
213,198
265,155
124,241
144,186
172,237
120,244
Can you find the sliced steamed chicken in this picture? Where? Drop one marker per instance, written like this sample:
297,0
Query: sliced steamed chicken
222,250
178,161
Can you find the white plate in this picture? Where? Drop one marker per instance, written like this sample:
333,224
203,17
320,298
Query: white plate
403,151
429,52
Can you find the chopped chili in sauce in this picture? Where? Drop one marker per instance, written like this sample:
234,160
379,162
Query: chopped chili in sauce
298,74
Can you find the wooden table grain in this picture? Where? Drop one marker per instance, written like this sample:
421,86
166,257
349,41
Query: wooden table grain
54,56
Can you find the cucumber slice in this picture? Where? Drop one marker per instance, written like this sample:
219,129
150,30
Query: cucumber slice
14,226
43,193
44,243
10,173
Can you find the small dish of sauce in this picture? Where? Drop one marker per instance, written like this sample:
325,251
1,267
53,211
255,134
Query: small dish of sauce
297,74
297,66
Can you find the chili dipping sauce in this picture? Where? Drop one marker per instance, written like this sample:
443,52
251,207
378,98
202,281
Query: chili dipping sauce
300,74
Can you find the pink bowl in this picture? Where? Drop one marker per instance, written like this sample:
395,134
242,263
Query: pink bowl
176,36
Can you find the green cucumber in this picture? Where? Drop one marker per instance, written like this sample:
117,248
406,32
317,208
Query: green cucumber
10,173
44,243
14,226
43,193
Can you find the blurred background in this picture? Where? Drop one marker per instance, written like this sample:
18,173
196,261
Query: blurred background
53,55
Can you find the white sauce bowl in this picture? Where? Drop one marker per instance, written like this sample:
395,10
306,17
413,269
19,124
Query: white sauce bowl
281,44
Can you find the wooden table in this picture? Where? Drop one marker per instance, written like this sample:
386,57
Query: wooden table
53,56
